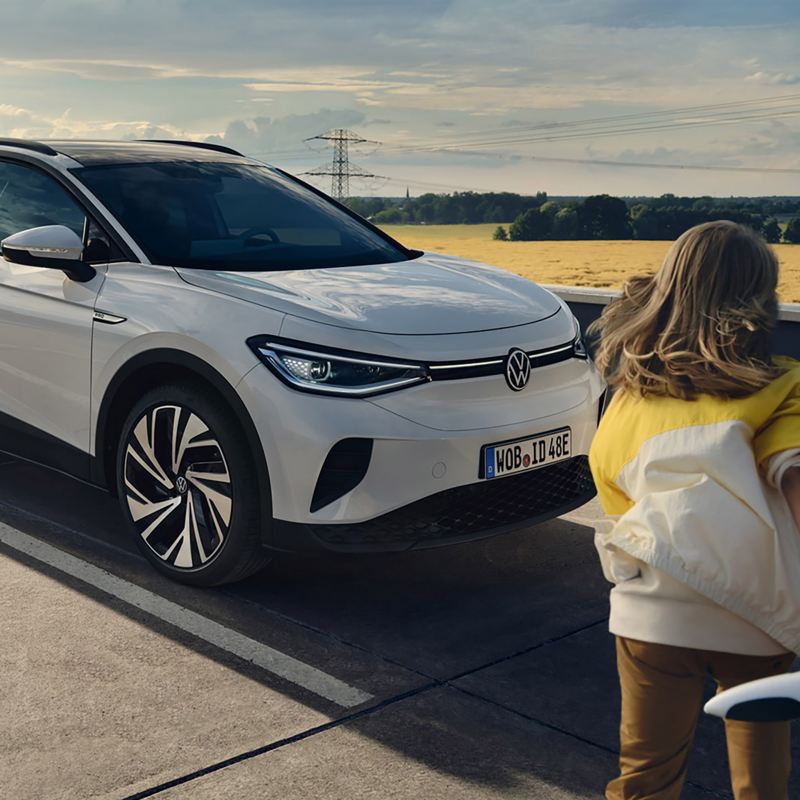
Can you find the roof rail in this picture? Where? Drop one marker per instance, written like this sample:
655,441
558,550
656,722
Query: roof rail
221,148
29,144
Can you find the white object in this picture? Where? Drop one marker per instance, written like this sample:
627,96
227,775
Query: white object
764,700
400,361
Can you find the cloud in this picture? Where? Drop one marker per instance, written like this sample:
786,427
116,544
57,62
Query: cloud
262,76
98,69
673,155
23,124
263,135
774,78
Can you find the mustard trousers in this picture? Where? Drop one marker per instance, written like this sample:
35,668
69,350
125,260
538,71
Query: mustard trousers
662,696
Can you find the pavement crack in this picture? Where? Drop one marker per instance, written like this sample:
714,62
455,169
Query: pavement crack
572,735
434,683
538,721
279,743
402,665
526,650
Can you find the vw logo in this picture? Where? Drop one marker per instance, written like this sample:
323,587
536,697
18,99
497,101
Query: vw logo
518,369
181,484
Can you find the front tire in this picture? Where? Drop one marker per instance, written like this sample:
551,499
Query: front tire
188,488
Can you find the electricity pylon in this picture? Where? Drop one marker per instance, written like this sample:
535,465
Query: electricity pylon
341,169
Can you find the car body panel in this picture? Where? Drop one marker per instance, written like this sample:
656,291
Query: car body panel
175,317
556,330
45,349
487,403
427,295
443,421
405,452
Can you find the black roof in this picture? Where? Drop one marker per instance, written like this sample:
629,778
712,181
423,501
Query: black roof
119,152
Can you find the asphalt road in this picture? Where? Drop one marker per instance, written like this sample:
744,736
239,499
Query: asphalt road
479,671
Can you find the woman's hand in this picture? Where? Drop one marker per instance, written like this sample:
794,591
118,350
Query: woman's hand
790,486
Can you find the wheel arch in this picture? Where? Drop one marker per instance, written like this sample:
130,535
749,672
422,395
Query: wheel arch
153,368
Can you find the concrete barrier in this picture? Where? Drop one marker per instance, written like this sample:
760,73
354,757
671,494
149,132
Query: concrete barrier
587,303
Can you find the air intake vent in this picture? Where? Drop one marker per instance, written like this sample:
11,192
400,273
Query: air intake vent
344,468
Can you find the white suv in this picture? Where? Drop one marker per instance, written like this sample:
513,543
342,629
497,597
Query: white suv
252,367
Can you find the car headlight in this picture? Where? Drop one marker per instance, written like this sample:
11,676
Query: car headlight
578,345
336,372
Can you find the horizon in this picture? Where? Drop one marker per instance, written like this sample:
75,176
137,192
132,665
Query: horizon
559,197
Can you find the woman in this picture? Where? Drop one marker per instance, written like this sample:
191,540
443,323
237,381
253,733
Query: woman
703,430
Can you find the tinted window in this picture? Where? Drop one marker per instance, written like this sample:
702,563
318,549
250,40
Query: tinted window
217,215
30,198
100,247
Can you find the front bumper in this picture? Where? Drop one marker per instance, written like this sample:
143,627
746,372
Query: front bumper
462,514
422,486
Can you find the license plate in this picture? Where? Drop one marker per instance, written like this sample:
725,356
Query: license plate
511,457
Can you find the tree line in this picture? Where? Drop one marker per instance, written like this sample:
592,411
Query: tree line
605,217
535,217
460,208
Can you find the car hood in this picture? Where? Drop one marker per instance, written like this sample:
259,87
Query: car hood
432,294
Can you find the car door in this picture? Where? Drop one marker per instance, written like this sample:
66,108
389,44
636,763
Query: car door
45,330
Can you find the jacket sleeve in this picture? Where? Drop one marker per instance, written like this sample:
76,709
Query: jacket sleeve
776,465
781,432
616,564
613,500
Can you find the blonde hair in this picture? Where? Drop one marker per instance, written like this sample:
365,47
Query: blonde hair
701,325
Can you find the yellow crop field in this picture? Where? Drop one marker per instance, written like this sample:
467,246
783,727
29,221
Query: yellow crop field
591,263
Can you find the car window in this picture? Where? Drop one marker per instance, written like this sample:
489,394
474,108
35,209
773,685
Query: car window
100,247
30,198
218,215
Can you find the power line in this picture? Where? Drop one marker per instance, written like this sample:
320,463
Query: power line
341,168
608,163
598,131
430,184
743,105
655,165
713,114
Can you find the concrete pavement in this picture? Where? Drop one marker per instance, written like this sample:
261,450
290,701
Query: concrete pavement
487,666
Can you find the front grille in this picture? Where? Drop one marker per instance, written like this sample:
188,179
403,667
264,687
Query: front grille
479,368
475,510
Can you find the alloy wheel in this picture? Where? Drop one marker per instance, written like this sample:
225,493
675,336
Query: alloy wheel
177,486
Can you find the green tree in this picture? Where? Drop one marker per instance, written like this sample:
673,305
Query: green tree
500,234
565,223
645,222
771,231
602,216
792,232
493,213
531,225
390,216
550,208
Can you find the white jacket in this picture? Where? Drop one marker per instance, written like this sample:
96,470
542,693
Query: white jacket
685,484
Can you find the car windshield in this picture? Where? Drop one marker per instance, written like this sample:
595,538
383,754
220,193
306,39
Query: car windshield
228,216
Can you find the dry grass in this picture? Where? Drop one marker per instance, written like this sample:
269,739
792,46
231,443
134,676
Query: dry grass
592,263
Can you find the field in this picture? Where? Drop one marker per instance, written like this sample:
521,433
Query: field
591,263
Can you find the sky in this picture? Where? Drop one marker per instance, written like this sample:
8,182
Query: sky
515,95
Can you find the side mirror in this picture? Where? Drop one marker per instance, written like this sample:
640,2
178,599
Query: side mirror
51,246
